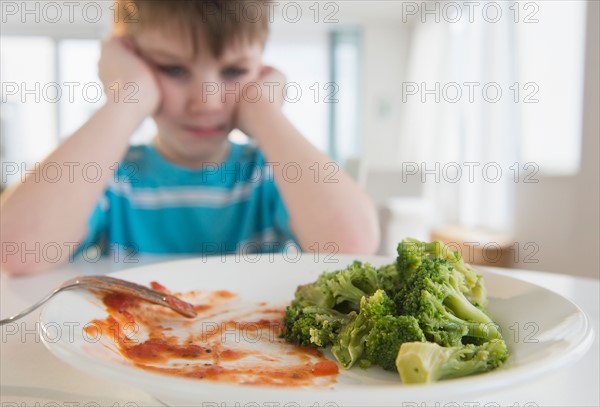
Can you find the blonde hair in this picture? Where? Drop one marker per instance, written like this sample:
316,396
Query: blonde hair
220,22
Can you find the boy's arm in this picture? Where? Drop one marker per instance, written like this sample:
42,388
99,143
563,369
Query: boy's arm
325,208
42,210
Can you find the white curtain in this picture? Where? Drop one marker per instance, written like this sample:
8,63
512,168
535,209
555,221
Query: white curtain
475,93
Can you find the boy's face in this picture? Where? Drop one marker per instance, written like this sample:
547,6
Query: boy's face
199,94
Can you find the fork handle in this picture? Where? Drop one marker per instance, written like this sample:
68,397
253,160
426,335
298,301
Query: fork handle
30,309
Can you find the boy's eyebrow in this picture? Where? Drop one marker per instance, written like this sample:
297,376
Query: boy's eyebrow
236,61
167,54
163,53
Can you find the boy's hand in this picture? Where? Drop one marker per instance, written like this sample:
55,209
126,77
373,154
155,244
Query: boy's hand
253,108
127,78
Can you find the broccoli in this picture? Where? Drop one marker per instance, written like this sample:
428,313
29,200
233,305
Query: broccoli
426,308
312,325
412,252
341,289
425,362
389,279
317,294
350,343
388,333
433,296
321,308
349,286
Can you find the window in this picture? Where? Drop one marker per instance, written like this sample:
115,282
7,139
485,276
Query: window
28,113
305,65
344,95
494,102
550,51
77,72
323,101
78,65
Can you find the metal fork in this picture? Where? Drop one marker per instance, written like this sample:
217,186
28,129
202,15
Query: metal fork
112,284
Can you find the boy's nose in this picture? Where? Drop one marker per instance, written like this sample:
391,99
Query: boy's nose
206,98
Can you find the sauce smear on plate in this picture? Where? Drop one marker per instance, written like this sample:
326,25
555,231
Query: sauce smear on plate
229,341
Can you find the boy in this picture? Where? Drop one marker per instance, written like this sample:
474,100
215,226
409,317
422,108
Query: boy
191,190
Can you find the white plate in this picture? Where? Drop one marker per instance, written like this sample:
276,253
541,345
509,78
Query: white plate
542,329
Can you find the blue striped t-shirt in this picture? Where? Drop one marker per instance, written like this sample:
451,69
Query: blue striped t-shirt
154,206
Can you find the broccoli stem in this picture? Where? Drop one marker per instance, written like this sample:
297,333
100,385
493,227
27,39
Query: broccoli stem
426,362
483,327
350,342
441,317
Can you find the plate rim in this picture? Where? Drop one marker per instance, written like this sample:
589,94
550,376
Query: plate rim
505,376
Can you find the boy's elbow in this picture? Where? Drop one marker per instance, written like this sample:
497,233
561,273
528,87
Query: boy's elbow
363,241
16,263
21,254
365,238
15,268
365,245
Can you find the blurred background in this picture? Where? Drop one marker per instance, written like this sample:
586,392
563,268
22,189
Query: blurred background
472,122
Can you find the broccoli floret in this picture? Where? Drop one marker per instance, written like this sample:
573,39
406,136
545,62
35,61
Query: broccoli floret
367,314
389,279
350,285
388,333
411,253
425,362
320,308
350,343
470,281
340,289
316,294
432,295
312,325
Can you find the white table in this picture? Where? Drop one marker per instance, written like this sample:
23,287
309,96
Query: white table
31,376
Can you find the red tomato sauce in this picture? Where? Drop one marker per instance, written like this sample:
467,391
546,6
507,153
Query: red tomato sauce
158,287
231,343
325,368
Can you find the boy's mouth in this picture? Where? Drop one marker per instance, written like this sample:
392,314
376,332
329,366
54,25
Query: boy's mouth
205,131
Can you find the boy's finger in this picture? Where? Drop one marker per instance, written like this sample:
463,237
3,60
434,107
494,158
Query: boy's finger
129,44
272,74
266,69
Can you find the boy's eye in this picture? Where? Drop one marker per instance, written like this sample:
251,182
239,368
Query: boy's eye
233,72
173,71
